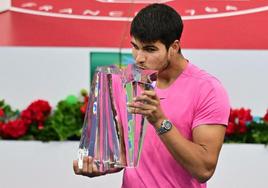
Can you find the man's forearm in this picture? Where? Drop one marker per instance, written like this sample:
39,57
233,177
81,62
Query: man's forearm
196,158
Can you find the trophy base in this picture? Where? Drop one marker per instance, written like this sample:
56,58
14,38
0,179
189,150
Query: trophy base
104,166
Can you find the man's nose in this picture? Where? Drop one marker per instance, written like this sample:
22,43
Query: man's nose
140,58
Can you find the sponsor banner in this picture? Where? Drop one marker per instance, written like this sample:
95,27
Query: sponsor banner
221,24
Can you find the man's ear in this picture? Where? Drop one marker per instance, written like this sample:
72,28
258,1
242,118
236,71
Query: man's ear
174,48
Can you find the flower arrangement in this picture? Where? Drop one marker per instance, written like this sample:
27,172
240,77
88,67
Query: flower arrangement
11,126
244,128
39,122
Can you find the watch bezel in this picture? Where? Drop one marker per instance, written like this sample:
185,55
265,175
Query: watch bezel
166,125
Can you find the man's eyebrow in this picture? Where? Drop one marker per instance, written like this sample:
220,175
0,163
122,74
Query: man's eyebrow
149,46
145,45
133,43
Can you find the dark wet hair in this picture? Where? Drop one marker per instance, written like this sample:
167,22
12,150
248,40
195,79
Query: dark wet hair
157,22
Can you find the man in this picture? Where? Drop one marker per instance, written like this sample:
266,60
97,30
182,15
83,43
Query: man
188,110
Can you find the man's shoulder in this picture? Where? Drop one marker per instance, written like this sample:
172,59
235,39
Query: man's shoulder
200,76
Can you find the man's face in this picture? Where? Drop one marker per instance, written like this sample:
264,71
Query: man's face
152,56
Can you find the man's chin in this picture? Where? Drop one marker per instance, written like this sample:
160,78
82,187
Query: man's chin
141,67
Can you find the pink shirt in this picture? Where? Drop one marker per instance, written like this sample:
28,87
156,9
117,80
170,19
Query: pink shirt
195,98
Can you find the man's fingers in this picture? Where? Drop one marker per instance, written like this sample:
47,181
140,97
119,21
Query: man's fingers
90,164
144,99
89,169
150,93
148,97
95,169
85,168
75,167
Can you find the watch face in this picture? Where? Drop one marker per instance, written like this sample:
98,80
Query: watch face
167,125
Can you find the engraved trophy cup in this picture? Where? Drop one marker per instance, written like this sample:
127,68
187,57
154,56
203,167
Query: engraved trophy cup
112,135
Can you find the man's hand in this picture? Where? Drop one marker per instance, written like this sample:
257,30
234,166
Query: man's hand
90,169
148,104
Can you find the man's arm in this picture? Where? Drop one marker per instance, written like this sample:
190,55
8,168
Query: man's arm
199,157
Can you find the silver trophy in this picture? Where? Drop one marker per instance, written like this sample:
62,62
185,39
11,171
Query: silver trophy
111,134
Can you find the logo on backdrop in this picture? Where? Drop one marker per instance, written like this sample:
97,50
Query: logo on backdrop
124,10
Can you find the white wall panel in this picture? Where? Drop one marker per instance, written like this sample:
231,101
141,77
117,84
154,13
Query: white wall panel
28,73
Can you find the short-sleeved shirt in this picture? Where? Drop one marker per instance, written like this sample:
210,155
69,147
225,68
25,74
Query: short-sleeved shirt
195,98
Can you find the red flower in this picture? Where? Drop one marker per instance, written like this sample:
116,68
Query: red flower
26,116
265,118
40,106
238,120
245,114
242,128
37,112
83,108
230,129
2,113
13,129
39,116
1,124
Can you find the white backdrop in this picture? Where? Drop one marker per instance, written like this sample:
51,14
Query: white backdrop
28,73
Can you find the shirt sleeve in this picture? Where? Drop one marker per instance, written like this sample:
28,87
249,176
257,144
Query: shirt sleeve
212,105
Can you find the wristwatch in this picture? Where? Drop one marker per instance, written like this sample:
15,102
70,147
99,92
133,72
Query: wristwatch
166,125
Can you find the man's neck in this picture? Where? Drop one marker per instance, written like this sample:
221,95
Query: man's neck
172,72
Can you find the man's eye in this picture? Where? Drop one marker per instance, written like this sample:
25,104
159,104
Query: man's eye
136,47
150,49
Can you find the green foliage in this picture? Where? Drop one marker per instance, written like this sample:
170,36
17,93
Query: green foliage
257,132
63,123
48,133
9,112
67,119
